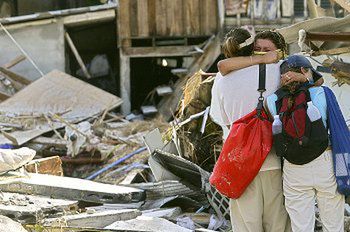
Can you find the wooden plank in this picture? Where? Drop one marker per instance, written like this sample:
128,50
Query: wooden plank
328,36
174,17
77,56
206,10
152,17
214,16
158,51
133,18
15,76
142,18
124,23
161,22
89,18
4,96
179,27
192,17
14,62
31,209
93,220
72,188
51,165
335,51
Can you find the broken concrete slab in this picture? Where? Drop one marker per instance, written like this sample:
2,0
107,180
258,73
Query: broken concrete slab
55,93
93,220
167,213
72,188
104,207
31,209
147,224
8,225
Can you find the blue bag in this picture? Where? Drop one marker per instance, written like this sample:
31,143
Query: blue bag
340,140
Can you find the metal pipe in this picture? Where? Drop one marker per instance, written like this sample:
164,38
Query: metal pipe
115,163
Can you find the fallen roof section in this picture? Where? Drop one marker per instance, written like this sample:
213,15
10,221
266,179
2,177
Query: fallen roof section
56,93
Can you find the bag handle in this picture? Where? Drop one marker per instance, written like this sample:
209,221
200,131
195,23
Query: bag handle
261,88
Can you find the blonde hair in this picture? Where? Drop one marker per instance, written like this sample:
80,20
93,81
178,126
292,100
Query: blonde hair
232,40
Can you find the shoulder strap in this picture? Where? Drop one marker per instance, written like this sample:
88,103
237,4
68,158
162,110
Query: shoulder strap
262,78
261,88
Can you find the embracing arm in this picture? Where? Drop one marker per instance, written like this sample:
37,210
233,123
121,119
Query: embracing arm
235,63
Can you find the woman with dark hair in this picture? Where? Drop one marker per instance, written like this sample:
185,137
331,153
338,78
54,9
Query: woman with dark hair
269,47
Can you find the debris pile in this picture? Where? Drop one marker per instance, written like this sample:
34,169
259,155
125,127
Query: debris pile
74,131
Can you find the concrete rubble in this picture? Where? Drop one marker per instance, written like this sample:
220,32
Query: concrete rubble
73,131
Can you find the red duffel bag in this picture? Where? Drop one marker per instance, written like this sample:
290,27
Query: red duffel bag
244,151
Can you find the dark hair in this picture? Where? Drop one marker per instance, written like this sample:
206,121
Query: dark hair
293,86
275,37
233,38
284,68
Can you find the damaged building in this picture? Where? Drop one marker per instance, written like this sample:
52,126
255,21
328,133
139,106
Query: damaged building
104,109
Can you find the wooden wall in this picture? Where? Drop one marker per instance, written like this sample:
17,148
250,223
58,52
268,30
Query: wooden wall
165,18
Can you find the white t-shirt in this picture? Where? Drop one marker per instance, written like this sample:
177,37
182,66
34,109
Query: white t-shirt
236,95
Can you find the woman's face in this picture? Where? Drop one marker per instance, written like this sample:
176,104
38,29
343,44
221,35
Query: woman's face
264,45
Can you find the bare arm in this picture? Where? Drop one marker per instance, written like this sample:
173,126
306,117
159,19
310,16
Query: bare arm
235,63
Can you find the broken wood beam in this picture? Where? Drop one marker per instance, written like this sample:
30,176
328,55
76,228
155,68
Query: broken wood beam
15,76
4,96
77,56
335,51
167,51
328,36
50,165
14,62
72,188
